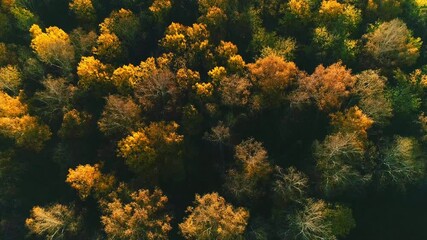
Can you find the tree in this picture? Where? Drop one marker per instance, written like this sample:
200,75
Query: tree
75,124
123,23
186,78
87,180
341,220
108,47
142,216
310,222
158,92
154,151
370,89
341,163
353,120
234,90
273,76
17,124
83,41
55,99
160,6
10,79
253,171
53,222
93,74
191,43
402,164
83,9
327,87
339,17
23,17
290,185
53,47
213,218
391,44
120,116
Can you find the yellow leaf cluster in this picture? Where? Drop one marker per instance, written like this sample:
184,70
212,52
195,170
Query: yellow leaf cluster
160,6
52,222
217,73
108,46
214,218
10,78
142,148
15,123
83,9
11,106
53,46
180,38
187,77
236,63
92,72
273,73
352,120
300,8
141,218
87,179
128,76
204,89
226,49
418,77
214,17
331,8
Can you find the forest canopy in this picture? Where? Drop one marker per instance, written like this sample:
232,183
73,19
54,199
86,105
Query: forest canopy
213,119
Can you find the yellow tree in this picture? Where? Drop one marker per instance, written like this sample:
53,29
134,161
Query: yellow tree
17,124
213,218
154,151
10,79
83,9
53,46
141,216
191,43
93,74
353,120
54,222
160,7
273,75
87,180
108,47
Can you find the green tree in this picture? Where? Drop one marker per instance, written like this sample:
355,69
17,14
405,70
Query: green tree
402,163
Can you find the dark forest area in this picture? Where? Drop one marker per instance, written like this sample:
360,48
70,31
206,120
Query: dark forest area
213,119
